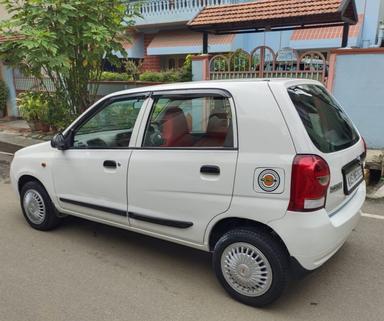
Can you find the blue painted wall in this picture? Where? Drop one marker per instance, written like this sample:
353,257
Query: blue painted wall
197,70
7,76
359,87
374,13
275,40
158,51
137,49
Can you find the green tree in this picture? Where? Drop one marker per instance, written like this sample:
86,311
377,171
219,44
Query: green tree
67,41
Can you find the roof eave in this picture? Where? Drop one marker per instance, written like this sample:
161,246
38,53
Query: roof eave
346,13
352,18
305,21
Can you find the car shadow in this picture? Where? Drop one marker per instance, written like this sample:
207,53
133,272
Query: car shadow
139,243
129,246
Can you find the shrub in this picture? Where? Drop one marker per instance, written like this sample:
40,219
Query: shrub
162,76
107,75
59,115
3,96
151,76
174,75
186,70
47,108
133,69
32,108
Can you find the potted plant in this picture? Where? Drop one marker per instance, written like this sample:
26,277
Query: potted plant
28,110
34,109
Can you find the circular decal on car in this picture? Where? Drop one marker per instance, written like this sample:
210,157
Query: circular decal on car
269,180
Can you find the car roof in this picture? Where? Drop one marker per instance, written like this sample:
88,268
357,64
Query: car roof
213,84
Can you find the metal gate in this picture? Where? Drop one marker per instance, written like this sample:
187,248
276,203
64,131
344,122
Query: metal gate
263,62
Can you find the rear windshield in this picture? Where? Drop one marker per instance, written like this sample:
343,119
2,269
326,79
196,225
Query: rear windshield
326,123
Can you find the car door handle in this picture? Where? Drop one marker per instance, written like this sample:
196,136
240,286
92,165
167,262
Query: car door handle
110,164
210,169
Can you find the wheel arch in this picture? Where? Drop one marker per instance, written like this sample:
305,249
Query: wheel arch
24,179
229,223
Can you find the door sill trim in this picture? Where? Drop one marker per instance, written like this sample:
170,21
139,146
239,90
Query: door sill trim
95,207
160,221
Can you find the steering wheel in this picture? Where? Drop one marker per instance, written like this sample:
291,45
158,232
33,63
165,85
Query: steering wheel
96,142
155,138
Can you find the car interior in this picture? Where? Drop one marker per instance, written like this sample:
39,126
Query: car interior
202,122
177,126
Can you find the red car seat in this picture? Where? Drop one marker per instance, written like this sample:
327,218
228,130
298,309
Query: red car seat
175,129
217,131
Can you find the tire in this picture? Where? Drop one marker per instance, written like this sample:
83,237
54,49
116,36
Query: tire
37,207
251,266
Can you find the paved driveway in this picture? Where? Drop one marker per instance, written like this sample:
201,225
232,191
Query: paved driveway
87,271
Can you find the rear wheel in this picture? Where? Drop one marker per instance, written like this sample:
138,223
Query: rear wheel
37,207
252,266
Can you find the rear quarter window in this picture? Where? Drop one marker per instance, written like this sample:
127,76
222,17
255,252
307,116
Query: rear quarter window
326,123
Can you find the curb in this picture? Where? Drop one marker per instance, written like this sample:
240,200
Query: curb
376,192
17,140
14,130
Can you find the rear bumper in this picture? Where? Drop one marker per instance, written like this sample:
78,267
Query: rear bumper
312,238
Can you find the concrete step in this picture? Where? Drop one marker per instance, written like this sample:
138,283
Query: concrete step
13,141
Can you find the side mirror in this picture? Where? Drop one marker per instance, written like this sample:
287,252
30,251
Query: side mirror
58,141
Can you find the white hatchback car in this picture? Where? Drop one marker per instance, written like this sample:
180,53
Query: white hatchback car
266,174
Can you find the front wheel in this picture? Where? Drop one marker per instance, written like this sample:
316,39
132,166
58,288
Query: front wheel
37,207
252,266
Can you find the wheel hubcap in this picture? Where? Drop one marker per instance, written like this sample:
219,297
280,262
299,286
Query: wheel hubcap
34,206
246,269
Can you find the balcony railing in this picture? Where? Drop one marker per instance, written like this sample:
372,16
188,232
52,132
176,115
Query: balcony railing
179,9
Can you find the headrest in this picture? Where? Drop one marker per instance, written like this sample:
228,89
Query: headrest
218,125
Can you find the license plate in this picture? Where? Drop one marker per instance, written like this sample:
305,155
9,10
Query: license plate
353,176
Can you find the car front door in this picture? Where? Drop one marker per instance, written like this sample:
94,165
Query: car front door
90,177
181,175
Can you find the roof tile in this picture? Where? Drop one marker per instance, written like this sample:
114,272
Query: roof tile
265,10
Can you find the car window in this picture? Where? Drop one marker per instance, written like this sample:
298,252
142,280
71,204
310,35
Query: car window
185,121
111,127
324,120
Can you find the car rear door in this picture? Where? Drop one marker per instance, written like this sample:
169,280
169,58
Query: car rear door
181,173
322,127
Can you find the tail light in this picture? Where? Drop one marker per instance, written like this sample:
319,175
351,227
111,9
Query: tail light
309,184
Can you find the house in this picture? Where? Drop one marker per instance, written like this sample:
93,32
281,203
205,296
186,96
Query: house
6,74
161,38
